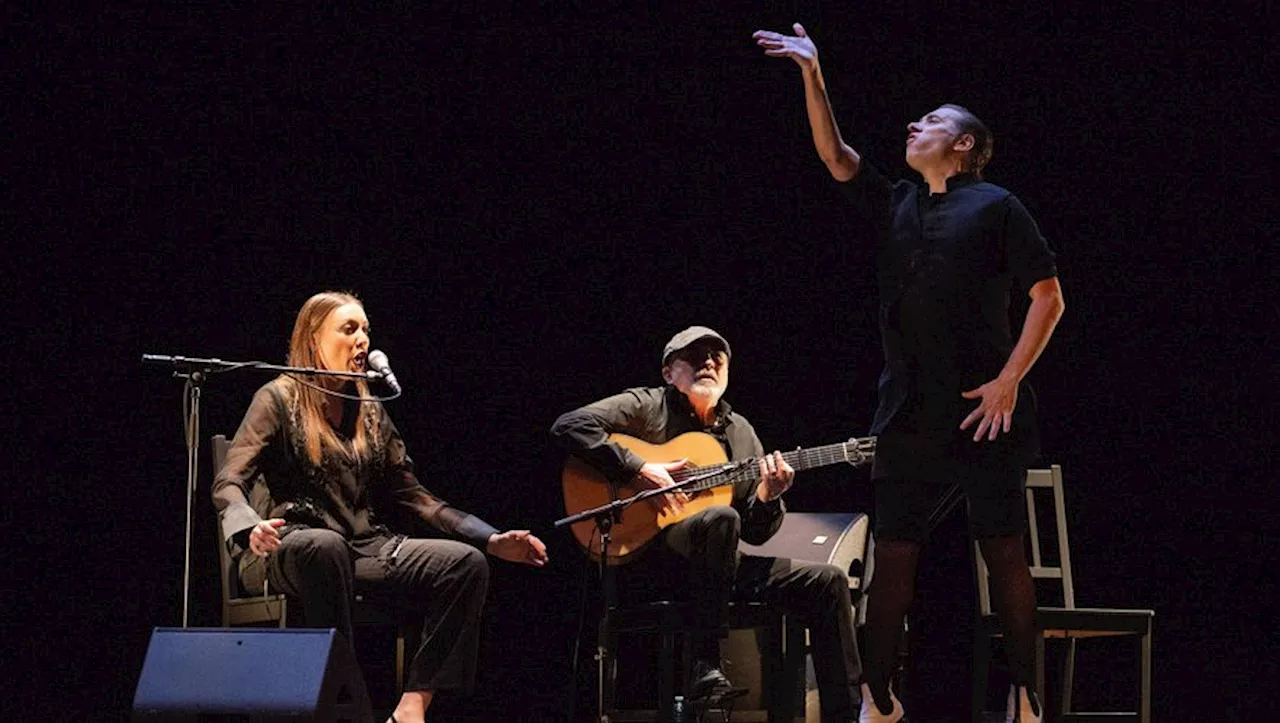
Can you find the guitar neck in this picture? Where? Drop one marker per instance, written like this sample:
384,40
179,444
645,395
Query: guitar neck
854,452
802,459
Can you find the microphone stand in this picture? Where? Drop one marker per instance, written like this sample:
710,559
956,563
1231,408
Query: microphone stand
605,515
196,370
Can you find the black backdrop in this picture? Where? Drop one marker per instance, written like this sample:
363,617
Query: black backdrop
530,202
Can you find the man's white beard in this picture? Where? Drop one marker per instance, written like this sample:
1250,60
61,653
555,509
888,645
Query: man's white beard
708,390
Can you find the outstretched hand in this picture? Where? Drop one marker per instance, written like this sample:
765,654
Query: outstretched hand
798,47
999,398
518,546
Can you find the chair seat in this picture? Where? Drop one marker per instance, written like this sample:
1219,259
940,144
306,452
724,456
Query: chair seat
669,615
268,608
1068,623
253,610
1083,622
374,611
256,600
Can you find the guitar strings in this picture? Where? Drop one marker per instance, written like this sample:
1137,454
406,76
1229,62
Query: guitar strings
854,451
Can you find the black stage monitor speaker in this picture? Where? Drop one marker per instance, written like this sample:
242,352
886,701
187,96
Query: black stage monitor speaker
837,538
842,539
260,674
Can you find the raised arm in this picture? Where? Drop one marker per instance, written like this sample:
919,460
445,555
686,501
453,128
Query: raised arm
841,160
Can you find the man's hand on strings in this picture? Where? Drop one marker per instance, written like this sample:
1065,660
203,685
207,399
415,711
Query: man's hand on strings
658,474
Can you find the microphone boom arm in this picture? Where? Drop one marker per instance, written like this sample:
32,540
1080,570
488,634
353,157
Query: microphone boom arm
612,509
184,365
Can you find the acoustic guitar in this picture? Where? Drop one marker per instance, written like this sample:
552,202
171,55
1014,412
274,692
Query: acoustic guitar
586,488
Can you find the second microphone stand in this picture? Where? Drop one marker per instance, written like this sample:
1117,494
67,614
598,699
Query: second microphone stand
605,516
196,371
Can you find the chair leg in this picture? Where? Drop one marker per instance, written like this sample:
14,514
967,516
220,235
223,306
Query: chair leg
606,673
900,680
1040,673
400,661
667,676
1144,702
1068,677
787,684
981,671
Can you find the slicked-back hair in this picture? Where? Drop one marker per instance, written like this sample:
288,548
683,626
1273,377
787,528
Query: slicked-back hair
983,142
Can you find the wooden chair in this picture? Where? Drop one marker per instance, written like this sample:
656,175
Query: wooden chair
840,539
782,655
1068,622
240,608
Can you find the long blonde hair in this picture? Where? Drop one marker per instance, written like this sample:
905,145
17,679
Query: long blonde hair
307,403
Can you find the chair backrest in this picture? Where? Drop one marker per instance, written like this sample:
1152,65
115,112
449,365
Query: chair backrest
1039,481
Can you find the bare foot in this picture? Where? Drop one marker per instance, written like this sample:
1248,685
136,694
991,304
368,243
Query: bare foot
413,707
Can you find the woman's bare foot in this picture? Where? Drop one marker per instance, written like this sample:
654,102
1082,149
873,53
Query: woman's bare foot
413,707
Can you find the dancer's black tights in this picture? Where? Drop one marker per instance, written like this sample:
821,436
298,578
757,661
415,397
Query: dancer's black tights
893,589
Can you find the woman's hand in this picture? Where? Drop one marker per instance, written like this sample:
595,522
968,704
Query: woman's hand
265,537
518,546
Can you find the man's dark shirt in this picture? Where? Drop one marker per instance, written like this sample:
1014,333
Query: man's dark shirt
946,264
658,415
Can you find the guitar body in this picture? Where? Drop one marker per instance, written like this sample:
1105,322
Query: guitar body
585,488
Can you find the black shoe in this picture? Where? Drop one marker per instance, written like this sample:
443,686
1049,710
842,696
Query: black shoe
708,682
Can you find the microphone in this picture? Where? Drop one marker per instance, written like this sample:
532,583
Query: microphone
378,362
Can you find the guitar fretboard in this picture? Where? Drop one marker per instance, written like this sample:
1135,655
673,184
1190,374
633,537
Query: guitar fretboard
855,452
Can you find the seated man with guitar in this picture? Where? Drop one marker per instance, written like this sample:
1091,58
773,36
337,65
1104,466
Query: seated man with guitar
686,543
